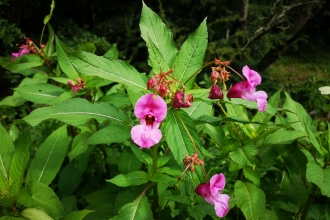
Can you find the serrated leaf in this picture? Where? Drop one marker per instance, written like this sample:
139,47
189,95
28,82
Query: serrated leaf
244,156
250,199
49,157
19,162
65,64
283,137
7,150
110,69
130,179
141,156
35,214
154,30
186,140
21,64
156,59
137,210
76,112
110,134
198,108
191,56
40,93
321,177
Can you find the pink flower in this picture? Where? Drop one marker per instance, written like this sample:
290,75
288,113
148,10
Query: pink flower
211,192
215,93
182,100
247,89
23,50
151,110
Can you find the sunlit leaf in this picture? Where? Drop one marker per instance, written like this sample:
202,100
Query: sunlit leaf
130,179
35,214
244,156
110,134
283,137
320,176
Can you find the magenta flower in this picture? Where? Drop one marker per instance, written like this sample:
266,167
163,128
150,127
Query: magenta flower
211,192
215,93
151,110
182,100
247,89
23,50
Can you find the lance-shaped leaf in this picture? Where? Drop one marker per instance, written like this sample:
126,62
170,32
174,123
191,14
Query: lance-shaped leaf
76,112
49,157
130,179
191,56
49,49
250,199
40,93
156,59
110,134
19,161
136,210
79,144
283,137
78,215
110,69
23,64
244,156
154,32
35,214
321,177
62,52
6,154
184,139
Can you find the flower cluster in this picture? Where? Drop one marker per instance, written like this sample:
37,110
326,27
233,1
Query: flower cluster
27,48
151,110
80,84
211,192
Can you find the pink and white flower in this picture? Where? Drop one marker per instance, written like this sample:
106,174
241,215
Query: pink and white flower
151,110
247,89
211,192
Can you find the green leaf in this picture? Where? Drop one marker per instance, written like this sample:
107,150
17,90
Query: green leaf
250,199
163,178
117,99
141,156
110,134
22,63
198,108
69,179
127,162
191,56
7,150
186,140
35,214
63,60
252,105
40,93
44,197
137,210
253,175
79,144
244,156
113,53
76,112
283,137
49,49
87,47
19,161
110,69
78,215
154,32
130,179
11,218
48,17
156,59
49,157
321,177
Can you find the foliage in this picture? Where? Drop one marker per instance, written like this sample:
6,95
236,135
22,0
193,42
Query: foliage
69,154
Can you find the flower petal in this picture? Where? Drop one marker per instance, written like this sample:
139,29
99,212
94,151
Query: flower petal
221,205
252,76
237,90
203,189
260,97
217,183
151,103
145,136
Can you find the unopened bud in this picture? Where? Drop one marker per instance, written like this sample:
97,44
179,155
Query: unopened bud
163,90
215,93
214,77
182,100
151,83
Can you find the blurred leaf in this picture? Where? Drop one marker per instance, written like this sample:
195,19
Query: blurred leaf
283,137
110,134
191,56
110,69
103,212
22,63
141,156
11,218
252,105
244,156
163,178
40,93
78,215
250,199
69,179
98,197
130,179
156,34
35,214
76,112
79,144
138,209
127,162
117,99
87,47
48,17
112,53
321,177
69,204
7,150
49,48
216,134
49,157
253,175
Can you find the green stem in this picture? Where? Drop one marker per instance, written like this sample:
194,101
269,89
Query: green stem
155,187
193,75
309,203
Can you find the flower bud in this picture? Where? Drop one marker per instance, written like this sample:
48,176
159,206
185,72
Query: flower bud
202,189
182,100
151,83
163,90
214,76
215,93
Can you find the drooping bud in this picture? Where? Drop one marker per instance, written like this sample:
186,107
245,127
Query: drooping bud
214,77
236,90
182,100
215,93
163,90
151,83
202,189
